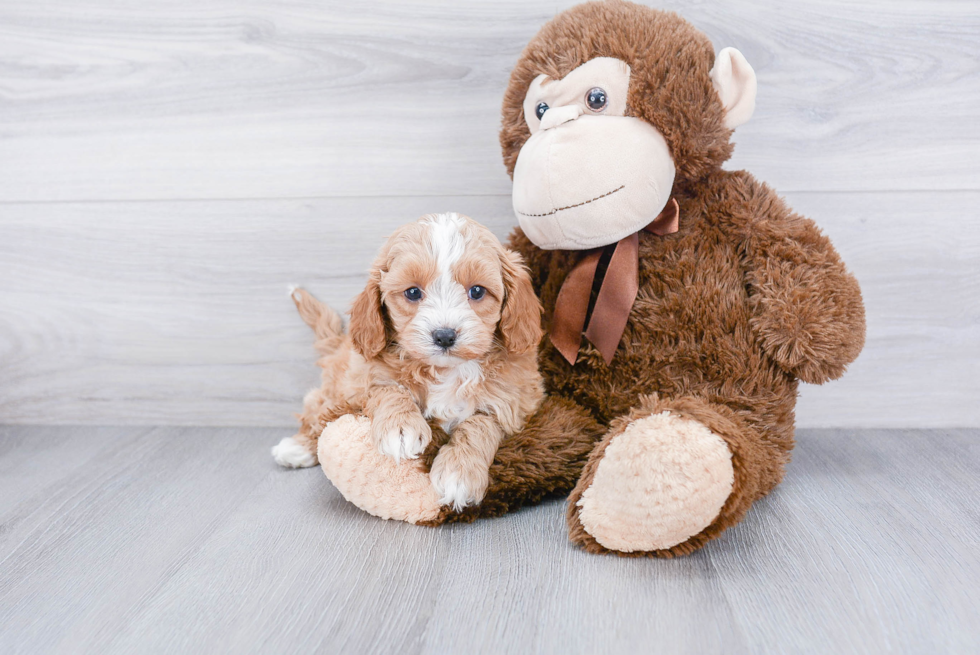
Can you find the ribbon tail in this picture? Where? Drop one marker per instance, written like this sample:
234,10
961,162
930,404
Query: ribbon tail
615,300
571,307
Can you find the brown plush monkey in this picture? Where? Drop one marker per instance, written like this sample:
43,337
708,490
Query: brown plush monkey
683,302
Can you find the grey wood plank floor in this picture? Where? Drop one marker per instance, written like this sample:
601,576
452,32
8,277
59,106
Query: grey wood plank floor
185,540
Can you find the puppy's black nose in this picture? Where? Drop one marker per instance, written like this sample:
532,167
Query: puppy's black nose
444,337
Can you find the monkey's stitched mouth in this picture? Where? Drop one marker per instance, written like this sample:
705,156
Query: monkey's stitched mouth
579,204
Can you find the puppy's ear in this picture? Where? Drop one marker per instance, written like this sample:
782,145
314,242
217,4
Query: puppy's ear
520,317
367,320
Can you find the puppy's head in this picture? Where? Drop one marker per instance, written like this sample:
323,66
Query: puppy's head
444,291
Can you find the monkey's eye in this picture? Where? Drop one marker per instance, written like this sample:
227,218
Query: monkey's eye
477,292
541,109
414,294
596,99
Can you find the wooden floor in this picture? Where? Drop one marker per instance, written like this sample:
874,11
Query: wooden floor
190,540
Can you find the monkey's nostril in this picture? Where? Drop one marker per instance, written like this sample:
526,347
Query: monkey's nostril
444,337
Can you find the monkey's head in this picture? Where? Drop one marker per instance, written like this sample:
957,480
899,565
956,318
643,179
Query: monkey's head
610,104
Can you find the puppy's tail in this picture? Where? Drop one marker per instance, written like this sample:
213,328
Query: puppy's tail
326,323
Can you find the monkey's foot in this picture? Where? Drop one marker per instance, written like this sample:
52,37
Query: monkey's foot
651,486
370,480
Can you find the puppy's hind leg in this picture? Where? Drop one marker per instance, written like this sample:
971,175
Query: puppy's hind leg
299,450
291,453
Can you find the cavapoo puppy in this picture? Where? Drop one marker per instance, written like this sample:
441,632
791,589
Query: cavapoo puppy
447,329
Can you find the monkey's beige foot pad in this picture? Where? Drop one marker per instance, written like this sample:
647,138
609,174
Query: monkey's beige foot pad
659,483
370,480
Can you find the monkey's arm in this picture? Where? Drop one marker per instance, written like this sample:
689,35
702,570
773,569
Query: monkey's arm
807,308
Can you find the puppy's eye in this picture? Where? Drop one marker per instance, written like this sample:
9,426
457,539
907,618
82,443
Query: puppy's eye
596,99
414,294
477,292
541,109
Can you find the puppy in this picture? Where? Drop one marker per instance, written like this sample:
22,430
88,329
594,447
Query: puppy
447,329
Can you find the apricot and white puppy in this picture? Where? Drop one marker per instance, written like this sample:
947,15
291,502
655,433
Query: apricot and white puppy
446,329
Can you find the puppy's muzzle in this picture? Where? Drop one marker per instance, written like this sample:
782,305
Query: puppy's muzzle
444,337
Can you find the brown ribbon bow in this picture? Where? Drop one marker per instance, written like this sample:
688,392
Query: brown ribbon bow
616,293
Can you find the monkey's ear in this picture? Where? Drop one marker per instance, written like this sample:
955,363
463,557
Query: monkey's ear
734,80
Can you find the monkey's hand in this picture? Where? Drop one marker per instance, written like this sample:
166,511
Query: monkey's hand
809,317
806,307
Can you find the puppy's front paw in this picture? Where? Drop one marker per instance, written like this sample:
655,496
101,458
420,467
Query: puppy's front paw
401,436
459,480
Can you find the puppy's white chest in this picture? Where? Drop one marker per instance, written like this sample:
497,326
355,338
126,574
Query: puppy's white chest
451,398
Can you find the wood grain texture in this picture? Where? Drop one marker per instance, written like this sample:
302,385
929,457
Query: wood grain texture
157,540
177,313
166,172
102,100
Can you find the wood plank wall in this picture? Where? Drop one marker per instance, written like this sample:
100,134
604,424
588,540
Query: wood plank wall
167,170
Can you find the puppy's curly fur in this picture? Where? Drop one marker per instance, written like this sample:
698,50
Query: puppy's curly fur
446,330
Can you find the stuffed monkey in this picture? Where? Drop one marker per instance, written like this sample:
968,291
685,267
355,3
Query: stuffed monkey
683,302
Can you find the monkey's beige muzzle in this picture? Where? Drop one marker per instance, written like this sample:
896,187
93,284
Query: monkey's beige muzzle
584,181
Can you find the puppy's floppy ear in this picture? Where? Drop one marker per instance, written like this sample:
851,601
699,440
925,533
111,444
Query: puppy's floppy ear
367,320
520,317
